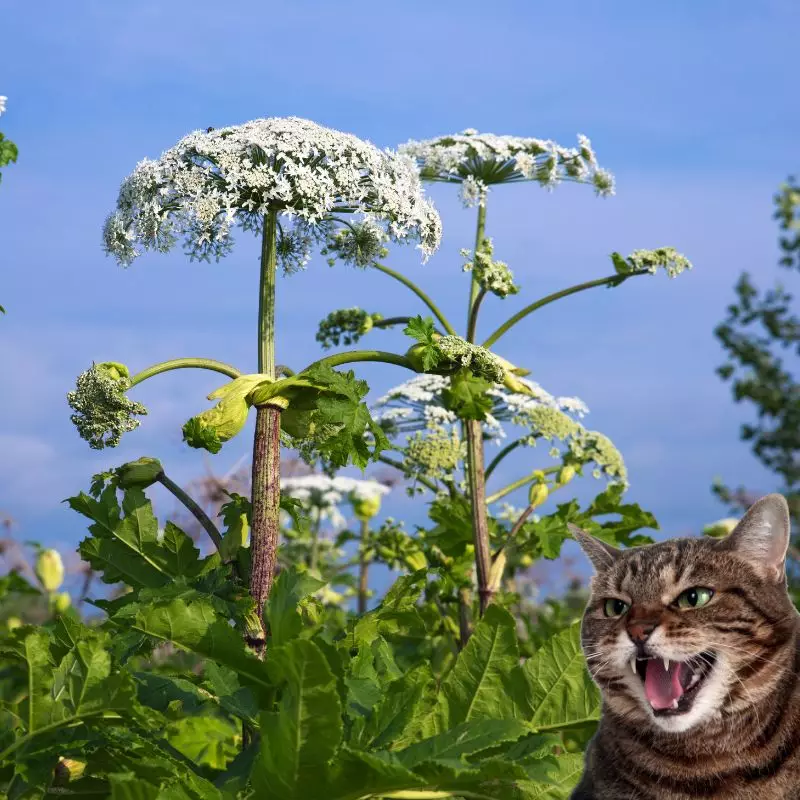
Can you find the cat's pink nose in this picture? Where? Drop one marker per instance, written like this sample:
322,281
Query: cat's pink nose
640,631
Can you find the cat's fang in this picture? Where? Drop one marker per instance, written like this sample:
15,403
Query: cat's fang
666,664
633,666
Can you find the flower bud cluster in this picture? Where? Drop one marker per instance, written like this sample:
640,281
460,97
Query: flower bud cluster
345,326
493,276
102,410
360,244
668,258
478,360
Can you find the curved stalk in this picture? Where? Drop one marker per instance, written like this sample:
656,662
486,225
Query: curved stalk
353,356
419,293
266,482
493,498
399,466
389,321
611,280
185,363
509,448
197,512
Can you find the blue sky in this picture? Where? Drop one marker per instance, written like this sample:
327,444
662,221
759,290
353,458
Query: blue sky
689,104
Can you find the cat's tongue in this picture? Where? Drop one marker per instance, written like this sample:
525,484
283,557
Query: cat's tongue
663,686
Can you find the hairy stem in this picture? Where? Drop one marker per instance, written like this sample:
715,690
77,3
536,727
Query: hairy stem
363,568
480,521
611,280
492,498
419,293
186,500
353,356
266,489
185,363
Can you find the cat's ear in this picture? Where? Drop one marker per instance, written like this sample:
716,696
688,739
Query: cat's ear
602,555
762,536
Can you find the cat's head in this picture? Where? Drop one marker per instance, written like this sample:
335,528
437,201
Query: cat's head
689,630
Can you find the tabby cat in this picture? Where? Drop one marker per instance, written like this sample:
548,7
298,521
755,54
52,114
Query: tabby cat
695,645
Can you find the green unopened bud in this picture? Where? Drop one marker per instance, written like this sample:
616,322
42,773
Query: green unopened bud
12,623
114,370
496,571
365,508
140,473
50,570
60,602
526,560
565,475
67,770
539,492
721,528
417,560
211,428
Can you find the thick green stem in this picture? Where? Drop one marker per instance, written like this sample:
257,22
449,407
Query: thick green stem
480,234
480,521
476,467
266,483
197,512
185,363
419,293
611,280
492,498
472,325
363,568
353,356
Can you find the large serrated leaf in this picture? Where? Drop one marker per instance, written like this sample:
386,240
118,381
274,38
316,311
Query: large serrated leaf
559,691
300,737
453,745
197,626
285,621
478,687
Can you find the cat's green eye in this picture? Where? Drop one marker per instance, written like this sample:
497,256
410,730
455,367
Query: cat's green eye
614,607
696,597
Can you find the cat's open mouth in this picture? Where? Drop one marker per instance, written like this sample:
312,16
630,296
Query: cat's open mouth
671,686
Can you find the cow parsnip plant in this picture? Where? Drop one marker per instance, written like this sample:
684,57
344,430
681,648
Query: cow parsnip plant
474,378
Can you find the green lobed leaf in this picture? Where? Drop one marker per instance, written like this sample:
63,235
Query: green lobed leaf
197,626
559,691
206,740
479,686
300,737
290,588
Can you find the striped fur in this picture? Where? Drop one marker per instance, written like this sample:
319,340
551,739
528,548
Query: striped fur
740,738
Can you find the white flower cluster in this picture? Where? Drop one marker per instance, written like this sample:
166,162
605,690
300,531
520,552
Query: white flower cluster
667,258
418,404
324,494
3,100
478,160
211,180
